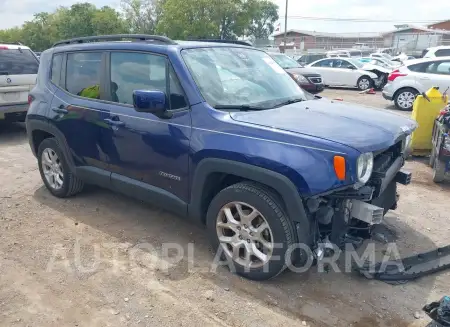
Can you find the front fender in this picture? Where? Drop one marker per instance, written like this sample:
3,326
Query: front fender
278,182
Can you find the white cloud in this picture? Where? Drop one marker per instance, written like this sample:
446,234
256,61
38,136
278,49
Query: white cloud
406,10
16,12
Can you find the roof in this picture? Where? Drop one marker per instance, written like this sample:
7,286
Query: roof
440,22
325,34
415,27
143,46
418,61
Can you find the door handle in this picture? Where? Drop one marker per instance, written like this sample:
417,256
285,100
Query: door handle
425,78
60,110
113,122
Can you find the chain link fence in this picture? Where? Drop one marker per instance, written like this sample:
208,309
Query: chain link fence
409,43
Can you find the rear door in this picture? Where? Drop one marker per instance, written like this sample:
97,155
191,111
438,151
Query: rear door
342,73
439,73
18,72
435,73
79,112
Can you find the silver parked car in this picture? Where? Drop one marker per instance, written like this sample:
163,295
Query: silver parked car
414,77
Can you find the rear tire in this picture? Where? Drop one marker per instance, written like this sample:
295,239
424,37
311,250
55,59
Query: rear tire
438,171
224,216
55,172
404,99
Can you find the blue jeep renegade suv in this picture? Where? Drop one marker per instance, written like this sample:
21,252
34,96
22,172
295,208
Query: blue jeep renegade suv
219,133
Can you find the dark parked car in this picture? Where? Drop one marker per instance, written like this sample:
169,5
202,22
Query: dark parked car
263,166
309,58
307,78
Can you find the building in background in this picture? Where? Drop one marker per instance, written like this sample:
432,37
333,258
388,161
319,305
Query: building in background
302,40
444,25
414,39
406,38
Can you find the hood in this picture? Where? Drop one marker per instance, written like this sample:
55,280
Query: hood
370,67
362,128
302,71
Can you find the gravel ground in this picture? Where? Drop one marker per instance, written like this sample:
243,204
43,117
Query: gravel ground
97,260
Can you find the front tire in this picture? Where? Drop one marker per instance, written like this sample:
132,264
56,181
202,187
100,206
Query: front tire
247,223
55,172
364,83
404,99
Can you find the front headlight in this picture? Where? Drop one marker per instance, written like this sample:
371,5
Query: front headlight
300,78
365,167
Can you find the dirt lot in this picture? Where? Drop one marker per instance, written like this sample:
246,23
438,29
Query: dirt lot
97,260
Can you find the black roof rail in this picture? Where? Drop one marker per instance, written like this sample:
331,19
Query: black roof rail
116,37
223,41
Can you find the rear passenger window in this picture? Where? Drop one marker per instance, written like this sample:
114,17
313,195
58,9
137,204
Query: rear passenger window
142,71
56,68
83,74
418,68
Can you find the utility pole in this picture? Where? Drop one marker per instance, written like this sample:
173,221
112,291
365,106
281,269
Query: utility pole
285,25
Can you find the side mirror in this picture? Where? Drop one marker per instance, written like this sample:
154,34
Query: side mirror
149,101
351,67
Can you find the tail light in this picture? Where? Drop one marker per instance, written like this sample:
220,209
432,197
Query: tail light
30,99
394,74
3,47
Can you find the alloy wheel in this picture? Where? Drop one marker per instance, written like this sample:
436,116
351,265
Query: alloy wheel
364,84
244,234
52,168
406,99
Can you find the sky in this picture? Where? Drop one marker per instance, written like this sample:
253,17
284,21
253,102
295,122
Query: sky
15,12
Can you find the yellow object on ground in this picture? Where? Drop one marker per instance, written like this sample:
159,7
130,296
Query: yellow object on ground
424,113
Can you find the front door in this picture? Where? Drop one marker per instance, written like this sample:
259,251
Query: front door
345,75
151,150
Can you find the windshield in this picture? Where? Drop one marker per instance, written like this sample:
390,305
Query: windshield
285,61
228,76
355,62
18,62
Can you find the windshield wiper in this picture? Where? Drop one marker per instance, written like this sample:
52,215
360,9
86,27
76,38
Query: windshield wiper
4,73
242,107
291,101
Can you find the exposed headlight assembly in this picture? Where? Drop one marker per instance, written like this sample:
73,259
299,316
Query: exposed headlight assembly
364,167
300,78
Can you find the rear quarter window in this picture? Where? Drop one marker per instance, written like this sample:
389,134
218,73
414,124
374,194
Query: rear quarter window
418,68
18,62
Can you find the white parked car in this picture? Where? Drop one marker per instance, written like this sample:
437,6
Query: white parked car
415,77
381,55
18,72
441,51
345,72
380,62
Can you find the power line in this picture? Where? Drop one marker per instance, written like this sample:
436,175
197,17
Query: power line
362,20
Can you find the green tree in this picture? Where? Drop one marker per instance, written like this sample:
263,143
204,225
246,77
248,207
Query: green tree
140,15
108,21
224,19
265,14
